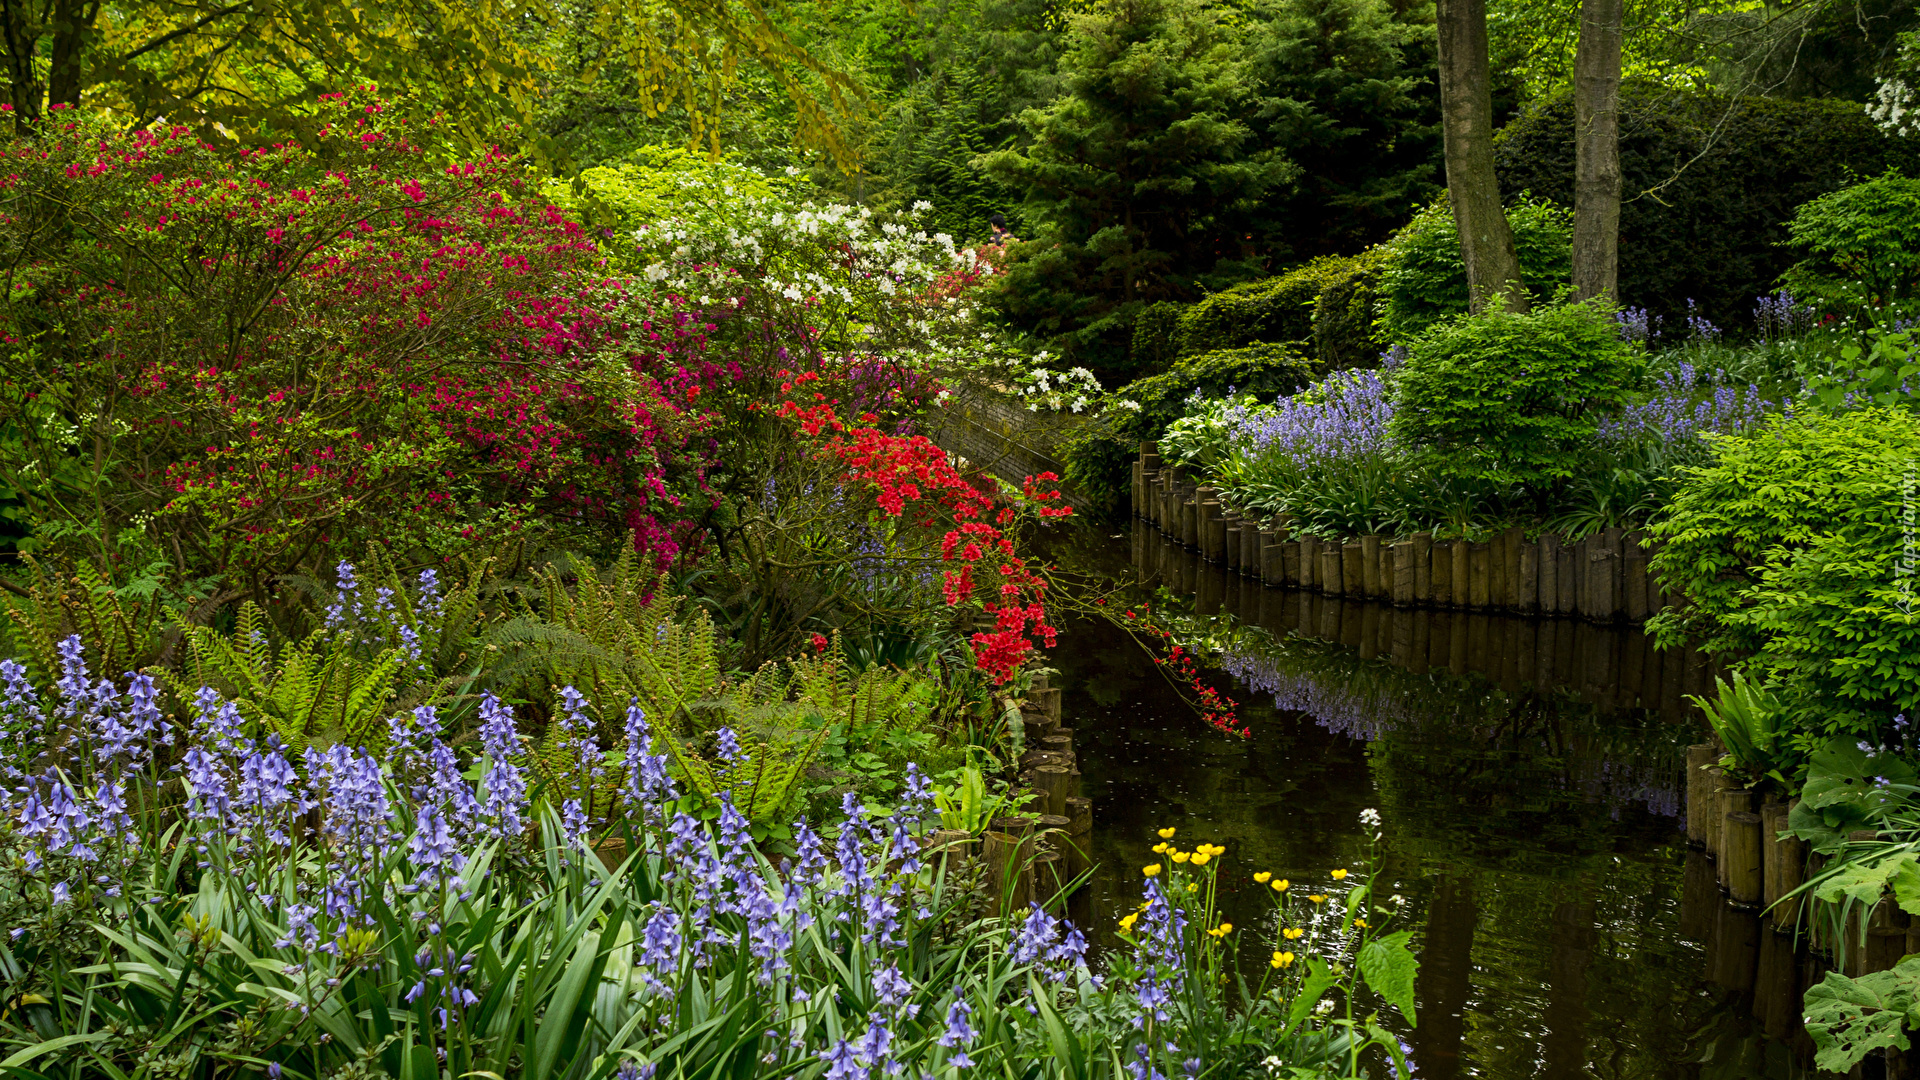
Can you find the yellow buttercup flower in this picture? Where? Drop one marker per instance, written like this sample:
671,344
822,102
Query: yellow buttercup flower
1200,858
1282,959
1182,856
1262,878
1221,931
1281,885
1126,922
1339,875
1292,933
1166,834
1217,850
1193,886
1159,849
1359,924
1151,871
1318,899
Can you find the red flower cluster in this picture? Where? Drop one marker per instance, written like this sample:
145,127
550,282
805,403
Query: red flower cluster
909,478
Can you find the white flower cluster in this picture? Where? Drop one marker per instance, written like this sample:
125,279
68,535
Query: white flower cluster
1043,387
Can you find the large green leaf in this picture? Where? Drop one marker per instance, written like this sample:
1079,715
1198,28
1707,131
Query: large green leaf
1388,967
1851,1018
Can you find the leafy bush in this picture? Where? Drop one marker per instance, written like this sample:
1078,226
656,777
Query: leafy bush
1344,334
1860,244
1795,549
1156,337
1512,398
1423,279
1277,309
1097,453
1709,181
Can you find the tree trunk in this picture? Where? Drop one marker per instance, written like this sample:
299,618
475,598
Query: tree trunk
1466,111
1596,185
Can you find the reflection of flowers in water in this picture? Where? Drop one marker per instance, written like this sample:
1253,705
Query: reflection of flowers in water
1366,713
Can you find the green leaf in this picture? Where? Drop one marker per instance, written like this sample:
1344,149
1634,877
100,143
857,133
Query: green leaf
50,1046
1388,967
1851,1018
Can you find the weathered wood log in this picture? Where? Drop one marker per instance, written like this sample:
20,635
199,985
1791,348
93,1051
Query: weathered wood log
1480,575
1700,796
1330,575
1046,878
1370,566
1549,557
1783,862
1635,605
1526,582
1733,800
1230,557
1567,579
1060,742
1213,531
946,849
1353,569
1740,860
1053,783
1402,554
1006,857
1309,562
1440,572
1716,779
1462,554
1423,568
1290,564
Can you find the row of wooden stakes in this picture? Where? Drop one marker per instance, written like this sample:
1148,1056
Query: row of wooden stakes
1604,576
1759,867
1038,855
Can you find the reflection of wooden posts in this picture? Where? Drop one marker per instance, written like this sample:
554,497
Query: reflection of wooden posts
1440,571
1741,858
1776,997
1370,566
1700,757
1403,572
1369,632
1784,864
1444,983
1422,568
1735,955
1699,898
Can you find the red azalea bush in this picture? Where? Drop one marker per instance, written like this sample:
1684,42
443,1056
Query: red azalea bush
901,490
238,362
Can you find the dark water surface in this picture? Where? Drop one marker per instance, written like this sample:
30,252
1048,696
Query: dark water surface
1528,774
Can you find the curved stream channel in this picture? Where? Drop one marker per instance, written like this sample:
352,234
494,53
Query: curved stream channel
1529,775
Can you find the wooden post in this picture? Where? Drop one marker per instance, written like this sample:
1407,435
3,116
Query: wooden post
1549,559
1402,552
1633,571
1783,863
1309,562
1005,855
1500,572
1566,579
1213,531
1423,568
1480,574
1886,936
1715,778
1741,859
1231,556
1060,742
1330,572
1370,565
1526,585
1290,564
1046,877
1353,569
1733,800
1053,783
1462,573
1441,573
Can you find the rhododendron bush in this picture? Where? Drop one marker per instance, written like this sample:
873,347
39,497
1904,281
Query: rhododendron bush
236,363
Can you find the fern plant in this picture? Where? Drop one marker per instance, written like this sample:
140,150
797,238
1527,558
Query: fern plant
317,691
121,633
1751,723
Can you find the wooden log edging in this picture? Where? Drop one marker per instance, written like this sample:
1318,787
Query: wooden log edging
1604,577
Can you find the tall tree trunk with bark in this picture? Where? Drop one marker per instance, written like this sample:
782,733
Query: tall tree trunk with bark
1596,184
1466,116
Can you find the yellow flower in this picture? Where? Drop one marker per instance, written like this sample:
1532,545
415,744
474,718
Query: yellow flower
1193,886
1182,856
1292,933
1360,924
1200,858
1222,930
1318,899
1166,834
1282,959
1339,875
1213,849
1262,878
1280,885
1126,922
1150,871
1159,849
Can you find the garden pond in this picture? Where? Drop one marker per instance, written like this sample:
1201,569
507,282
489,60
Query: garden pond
1529,773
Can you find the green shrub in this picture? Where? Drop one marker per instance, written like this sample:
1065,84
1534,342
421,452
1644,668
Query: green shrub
1424,280
1098,452
1795,550
1709,184
1277,309
1344,335
1860,243
1155,336
1512,398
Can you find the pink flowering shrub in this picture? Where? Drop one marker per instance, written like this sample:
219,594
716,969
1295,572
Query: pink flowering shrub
237,363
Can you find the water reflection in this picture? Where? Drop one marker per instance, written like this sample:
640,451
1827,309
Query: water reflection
1529,776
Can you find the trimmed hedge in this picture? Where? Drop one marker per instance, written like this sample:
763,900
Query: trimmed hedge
1098,452
1277,309
1737,169
1344,335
